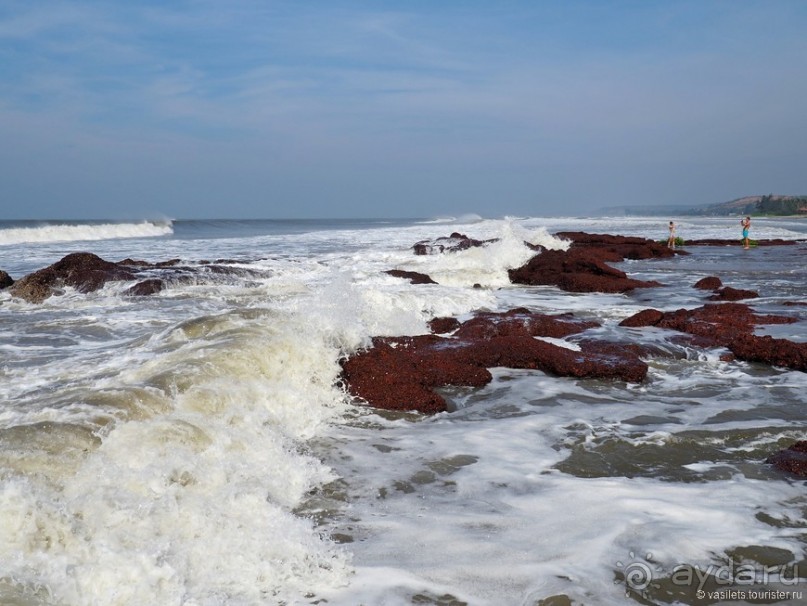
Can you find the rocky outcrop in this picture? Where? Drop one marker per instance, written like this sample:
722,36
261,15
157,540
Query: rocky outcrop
5,280
584,266
729,325
402,373
622,247
792,460
727,293
576,270
413,276
85,272
709,283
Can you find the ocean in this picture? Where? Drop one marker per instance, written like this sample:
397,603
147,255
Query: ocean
195,447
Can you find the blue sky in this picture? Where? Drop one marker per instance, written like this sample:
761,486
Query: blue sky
278,109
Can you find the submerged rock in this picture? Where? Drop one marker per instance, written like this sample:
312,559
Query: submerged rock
727,293
145,288
729,325
792,459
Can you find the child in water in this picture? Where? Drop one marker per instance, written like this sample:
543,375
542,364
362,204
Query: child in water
746,223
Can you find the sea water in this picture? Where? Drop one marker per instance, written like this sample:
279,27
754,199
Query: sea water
195,447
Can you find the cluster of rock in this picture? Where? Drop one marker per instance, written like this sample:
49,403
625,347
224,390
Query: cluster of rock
86,272
403,373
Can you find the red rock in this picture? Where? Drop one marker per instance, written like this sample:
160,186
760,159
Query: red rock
584,268
401,373
646,317
727,293
766,349
441,326
522,322
792,459
709,283
624,247
730,325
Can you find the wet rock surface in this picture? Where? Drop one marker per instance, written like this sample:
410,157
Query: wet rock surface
413,276
792,460
709,283
584,266
87,272
729,325
5,280
402,373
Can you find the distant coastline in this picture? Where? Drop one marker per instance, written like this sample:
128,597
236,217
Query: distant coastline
770,205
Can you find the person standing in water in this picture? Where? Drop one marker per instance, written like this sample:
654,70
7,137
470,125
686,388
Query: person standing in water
746,223
671,239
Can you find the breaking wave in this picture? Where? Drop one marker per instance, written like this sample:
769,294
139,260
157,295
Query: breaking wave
71,232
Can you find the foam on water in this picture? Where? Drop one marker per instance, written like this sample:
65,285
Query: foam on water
194,447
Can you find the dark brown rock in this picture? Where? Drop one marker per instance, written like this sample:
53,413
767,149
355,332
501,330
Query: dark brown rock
792,460
5,280
709,283
85,272
727,293
145,288
646,317
522,322
576,270
413,276
623,247
441,326
766,349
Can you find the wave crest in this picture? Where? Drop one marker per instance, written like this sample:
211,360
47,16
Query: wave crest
84,231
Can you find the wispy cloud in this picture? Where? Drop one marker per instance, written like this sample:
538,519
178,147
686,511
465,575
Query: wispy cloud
532,87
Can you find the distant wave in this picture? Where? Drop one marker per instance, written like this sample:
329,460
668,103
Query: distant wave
466,218
62,232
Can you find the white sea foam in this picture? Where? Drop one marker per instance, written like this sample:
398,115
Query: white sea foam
83,232
162,449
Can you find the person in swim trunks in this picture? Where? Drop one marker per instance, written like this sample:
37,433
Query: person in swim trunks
746,223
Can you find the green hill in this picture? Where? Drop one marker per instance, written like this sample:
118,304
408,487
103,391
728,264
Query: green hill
756,205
